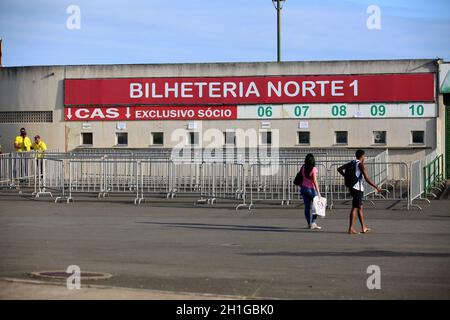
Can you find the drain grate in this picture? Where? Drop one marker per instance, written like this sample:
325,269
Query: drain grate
63,275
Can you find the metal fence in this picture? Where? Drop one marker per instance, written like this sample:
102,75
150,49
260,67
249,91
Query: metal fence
417,178
5,171
153,179
85,177
50,178
433,176
17,171
245,179
223,181
273,183
226,154
391,177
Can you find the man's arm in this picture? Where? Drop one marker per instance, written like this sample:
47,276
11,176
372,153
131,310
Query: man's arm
341,170
16,144
27,142
367,178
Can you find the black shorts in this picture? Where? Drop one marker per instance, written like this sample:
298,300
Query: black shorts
357,196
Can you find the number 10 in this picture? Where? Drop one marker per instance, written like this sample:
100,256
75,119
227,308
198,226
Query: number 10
416,110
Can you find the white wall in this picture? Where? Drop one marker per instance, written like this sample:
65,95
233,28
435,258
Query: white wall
41,89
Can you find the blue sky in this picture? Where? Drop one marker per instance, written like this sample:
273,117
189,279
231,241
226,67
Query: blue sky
162,31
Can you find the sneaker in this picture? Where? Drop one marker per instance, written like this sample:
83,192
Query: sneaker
315,226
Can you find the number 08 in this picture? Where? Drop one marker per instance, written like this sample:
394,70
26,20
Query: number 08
337,111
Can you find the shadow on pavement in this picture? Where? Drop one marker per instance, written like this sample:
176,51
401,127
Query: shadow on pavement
235,227
375,253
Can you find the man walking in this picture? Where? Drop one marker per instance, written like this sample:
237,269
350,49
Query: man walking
355,173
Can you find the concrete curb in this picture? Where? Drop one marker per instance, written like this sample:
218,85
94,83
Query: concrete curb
100,276
173,295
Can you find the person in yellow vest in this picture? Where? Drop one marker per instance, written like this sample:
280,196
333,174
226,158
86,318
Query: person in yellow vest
22,142
39,147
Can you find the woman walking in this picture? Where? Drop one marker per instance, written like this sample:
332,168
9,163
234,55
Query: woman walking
309,189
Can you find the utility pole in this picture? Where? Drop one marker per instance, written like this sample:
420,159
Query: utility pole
1,52
278,4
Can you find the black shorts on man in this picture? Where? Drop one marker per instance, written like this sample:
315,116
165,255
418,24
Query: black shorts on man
357,196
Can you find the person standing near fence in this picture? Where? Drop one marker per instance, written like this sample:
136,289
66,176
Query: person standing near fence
22,143
309,189
39,147
354,174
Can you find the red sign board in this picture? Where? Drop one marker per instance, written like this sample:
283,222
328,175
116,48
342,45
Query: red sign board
149,113
251,90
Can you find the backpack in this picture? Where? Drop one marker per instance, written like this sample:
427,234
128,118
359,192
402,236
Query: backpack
350,178
298,180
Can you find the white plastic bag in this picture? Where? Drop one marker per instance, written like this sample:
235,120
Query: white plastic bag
319,205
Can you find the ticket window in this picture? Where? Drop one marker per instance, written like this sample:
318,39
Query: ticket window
379,137
266,138
303,137
418,137
121,138
157,138
194,138
86,139
230,138
341,137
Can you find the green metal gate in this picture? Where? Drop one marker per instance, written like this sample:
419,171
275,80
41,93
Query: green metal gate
447,141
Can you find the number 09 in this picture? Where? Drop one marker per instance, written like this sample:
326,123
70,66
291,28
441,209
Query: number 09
379,110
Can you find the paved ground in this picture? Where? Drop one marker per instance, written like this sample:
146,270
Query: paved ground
171,245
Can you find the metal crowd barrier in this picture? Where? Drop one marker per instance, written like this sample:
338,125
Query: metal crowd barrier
392,177
51,178
245,178
17,171
85,177
267,183
273,183
293,192
222,181
417,178
5,171
232,154
433,176
120,177
184,178
103,177
153,179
